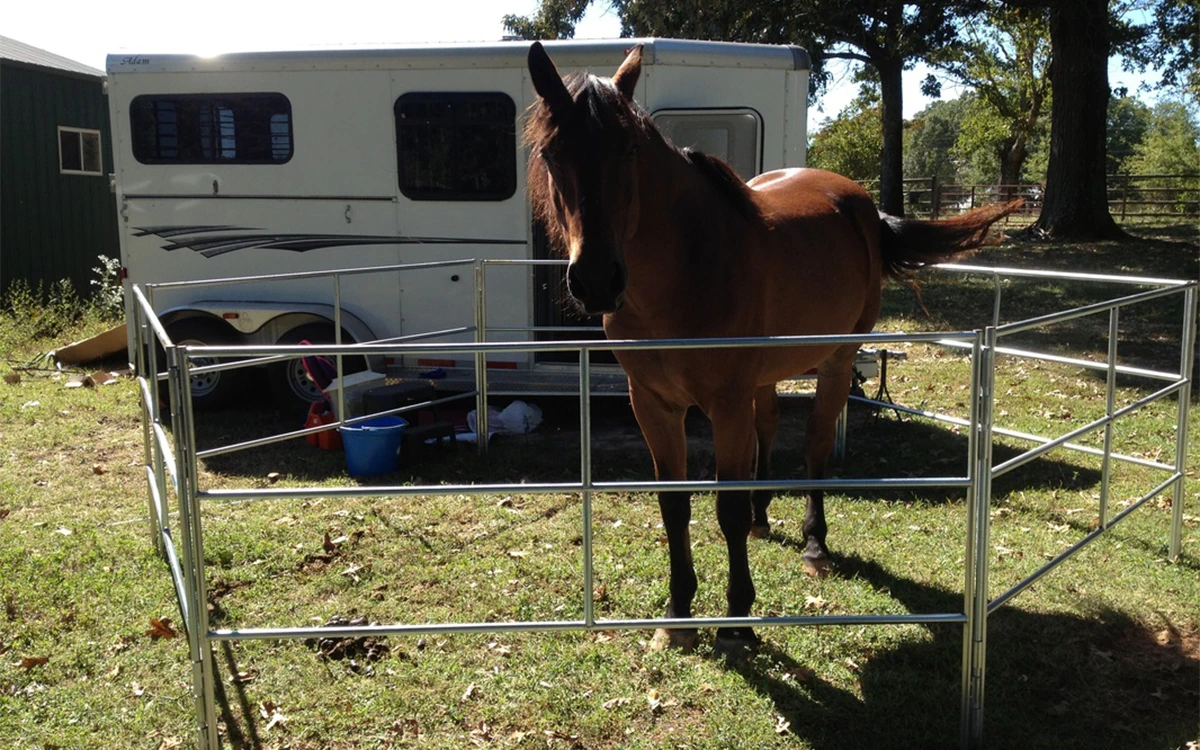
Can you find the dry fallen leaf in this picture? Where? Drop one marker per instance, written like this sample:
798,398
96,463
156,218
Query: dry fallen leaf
469,692
136,689
274,477
29,662
814,602
653,700
161,628
799,674
782,725
328,544
270,711
12,378
63,530
600,593
99,469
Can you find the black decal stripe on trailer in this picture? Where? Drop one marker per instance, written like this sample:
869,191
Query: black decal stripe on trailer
210,245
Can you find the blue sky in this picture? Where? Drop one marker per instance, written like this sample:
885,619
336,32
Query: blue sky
144,27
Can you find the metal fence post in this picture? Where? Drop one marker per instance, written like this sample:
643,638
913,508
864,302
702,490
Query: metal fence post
979,586
1110,402
1186,358
969,554
481,377
189,511
585,471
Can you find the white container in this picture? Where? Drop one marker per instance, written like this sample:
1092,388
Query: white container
356,385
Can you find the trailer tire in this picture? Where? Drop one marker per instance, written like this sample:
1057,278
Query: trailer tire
290,387
212,390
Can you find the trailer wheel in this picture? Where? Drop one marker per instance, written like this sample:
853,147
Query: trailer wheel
210,390
289,383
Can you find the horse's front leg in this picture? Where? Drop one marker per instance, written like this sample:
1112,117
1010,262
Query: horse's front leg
735,442
663,428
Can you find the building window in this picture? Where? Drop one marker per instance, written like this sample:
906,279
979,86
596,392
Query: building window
211,128
79,151
457,146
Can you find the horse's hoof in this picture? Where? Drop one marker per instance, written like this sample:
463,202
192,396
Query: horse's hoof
682,640
738,647
760,532
818,567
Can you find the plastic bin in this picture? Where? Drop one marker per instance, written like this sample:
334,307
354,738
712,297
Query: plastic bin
373,447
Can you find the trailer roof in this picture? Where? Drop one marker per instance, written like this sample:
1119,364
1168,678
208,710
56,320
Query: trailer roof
507,54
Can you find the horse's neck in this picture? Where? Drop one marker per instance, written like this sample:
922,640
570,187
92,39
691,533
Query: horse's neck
683,249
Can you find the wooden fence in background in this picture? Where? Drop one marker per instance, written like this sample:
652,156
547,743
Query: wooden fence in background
1130,197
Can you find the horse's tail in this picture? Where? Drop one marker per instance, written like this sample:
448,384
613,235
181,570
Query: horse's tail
909,244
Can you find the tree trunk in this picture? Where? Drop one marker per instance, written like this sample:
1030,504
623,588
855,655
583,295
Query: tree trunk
1012,159
891,158
1076,205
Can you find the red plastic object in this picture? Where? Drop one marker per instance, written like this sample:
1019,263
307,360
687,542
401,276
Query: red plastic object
328,440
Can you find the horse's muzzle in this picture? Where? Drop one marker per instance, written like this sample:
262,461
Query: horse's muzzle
597,293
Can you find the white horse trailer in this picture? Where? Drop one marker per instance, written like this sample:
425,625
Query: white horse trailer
269,163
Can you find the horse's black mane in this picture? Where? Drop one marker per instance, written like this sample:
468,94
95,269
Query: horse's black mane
607,108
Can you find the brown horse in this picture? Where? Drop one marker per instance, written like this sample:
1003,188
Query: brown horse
669,243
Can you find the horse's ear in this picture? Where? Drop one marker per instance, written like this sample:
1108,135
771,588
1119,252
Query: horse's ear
546,80
627,75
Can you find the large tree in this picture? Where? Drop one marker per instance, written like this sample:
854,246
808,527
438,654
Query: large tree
886,36
1005,58
1076,202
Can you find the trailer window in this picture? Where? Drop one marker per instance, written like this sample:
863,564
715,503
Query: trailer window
211,128
457,146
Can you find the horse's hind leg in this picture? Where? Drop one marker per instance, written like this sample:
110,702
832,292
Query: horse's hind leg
662,427
766,423
834,378
733,435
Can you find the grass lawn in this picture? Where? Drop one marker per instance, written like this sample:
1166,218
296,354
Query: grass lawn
1104,652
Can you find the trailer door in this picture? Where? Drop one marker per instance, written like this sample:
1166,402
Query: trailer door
461,195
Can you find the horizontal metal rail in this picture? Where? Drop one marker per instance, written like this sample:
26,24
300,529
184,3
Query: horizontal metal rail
1029,455
1025,583
352,631
1062,275
1080,312
147,310
959,421
164,445
259,442
1084,363
566,488
348,348
498,347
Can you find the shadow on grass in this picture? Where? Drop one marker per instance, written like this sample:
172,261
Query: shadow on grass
1053,681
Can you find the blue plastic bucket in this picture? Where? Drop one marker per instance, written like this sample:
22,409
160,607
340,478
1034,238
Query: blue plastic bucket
372,447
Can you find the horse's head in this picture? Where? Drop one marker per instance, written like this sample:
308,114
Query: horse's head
583,135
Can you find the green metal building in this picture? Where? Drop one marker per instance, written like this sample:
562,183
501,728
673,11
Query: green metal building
56,209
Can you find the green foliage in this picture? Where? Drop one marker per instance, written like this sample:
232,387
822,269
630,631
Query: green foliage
554,19
850,144
34,318
1128,122
109,294
1171,143
930,137
40,312
1006,61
